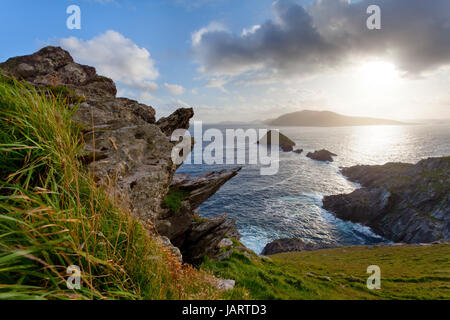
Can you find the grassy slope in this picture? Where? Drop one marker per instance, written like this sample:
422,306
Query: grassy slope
411,272
52,216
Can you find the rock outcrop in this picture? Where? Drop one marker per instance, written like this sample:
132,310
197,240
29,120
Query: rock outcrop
322,155
177,120
292,245
128,151
196,236
203,186
402,202
284,142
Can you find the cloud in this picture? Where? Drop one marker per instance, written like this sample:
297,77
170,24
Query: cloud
327,34
174,89
217,82
214,26
116,57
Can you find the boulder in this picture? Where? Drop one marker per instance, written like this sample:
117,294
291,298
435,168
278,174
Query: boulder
284,142
322,155
292,245
225,285
298,151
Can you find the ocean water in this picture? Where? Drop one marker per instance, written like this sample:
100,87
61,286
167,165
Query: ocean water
288,204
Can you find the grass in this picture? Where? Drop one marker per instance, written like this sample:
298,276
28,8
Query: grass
410,272
174,198
52,215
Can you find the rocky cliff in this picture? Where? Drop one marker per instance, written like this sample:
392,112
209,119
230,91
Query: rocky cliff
128,151
402,202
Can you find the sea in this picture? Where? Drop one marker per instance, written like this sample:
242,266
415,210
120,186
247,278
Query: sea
289,203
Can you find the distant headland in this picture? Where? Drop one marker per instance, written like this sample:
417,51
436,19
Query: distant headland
309,118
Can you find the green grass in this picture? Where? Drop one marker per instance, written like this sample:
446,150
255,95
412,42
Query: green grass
52,215
411,272
174,198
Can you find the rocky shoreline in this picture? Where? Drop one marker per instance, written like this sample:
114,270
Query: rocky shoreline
405,203
399,201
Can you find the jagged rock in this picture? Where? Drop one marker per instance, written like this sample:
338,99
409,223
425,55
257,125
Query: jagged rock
177,120
234,233
202,239
402,202
164,241
322,155
292,245
53,67
197,237
129,150
284,142
298,151
138,161
225,242
203,186
175,226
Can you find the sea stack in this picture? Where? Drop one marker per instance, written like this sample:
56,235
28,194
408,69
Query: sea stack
286,144
322,155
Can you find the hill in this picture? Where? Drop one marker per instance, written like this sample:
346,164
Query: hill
309,118
407,272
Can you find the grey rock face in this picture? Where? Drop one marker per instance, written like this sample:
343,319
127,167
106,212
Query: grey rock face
125,149
197,238
164,241
138,160
291,245
52,66
203,238
402,202
322,155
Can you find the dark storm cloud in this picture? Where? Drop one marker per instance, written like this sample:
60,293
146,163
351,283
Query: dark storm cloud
415,35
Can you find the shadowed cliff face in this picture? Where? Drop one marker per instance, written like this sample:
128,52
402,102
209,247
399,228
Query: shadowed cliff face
125,148
402,202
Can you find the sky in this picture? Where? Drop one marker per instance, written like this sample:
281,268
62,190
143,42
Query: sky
246,60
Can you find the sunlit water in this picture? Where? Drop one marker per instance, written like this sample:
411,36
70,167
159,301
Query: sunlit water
288,204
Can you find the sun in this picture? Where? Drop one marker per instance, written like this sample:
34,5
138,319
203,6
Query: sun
378,73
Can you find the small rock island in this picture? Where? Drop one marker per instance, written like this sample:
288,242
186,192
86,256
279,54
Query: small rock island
286,144
322,155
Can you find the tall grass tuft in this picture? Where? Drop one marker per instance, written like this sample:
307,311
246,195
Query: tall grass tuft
53,216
